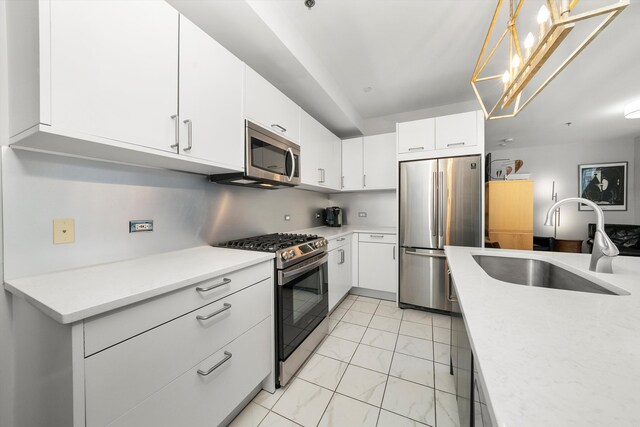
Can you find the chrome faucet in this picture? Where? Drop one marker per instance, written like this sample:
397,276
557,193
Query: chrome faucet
604,250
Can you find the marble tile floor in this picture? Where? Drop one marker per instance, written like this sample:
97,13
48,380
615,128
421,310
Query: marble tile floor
380,366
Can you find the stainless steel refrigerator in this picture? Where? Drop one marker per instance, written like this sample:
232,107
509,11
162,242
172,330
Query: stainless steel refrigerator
440,205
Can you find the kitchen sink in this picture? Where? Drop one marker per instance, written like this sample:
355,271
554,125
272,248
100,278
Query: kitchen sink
534,272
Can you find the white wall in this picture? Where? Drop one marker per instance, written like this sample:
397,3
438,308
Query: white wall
560,163
380,207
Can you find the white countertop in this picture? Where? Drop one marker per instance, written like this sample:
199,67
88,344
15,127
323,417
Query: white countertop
331,233
550,357
72,295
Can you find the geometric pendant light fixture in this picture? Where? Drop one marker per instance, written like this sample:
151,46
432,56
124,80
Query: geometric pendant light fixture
525,60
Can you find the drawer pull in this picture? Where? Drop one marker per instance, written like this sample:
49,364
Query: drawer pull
342,239
416,148
376,236
225,281
278,127
454,144
226,306
227,356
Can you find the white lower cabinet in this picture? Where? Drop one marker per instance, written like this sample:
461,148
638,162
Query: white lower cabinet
207,392
377,263
340,261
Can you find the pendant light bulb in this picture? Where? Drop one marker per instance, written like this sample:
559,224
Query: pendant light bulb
528,41
506,77
515,61
543,14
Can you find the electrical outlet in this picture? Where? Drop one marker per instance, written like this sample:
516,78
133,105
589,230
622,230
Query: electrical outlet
64,231
318,215
362,214
140,225
287,217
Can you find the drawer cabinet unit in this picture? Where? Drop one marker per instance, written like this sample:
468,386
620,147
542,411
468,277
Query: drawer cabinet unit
377,262
340,261
189,357
267,106
155,92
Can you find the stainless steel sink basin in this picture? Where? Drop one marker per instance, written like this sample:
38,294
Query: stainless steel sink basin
533,272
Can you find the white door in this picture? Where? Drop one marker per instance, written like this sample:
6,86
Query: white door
352,173
417,136
377,266
379,152
457,130
114,70
210,99
339,274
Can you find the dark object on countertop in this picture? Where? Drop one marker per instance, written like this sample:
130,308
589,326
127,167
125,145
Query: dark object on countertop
541,243
625,236
333,216
549,244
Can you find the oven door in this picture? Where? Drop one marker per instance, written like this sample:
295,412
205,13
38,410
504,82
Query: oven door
302,305
271,157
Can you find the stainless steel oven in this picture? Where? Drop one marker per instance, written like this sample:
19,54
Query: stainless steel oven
302,305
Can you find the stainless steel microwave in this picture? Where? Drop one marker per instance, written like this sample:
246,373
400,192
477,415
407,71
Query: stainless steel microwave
271,161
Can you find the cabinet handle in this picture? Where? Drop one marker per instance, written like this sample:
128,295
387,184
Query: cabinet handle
364,181
376,236
227,356
189,124
341,239
225,281
176,130
447,283
323,176
454,144
416,148
278,127
342,181
394,253
226,306
341,256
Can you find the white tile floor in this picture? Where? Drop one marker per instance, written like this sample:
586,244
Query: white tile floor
381,366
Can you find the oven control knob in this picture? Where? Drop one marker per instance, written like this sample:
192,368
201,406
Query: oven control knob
287,255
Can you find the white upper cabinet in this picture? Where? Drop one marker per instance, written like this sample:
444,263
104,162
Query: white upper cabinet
211,125
320,154
352,167
457,130
379,153
267,106
416,136
117,80
114,70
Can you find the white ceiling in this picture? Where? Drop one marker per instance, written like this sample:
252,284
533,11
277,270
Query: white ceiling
417,56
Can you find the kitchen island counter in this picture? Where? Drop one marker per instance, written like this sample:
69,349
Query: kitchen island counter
72,295
550,357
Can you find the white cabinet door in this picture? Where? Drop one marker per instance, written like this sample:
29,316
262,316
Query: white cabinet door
333,167
312,150
339,274
379,153
457,130
270,108
377,266
417,136
352,169
114,70
211,123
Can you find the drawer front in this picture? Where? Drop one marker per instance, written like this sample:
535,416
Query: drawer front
339,242
196,400
116,326
119,378
377,238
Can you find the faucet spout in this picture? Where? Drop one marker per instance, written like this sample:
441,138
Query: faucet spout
603,248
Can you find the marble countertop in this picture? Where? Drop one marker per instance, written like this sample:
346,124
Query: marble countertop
551,357
72,295
331,233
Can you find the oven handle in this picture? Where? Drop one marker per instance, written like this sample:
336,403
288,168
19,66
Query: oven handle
297,271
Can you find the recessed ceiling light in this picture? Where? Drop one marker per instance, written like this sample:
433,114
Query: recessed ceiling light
632,110
367,89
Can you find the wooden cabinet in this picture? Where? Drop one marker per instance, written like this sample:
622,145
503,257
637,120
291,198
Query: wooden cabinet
210,102
266,106
377,262
509,213
369,163
457,130
126,90
340,261
320,155
417,136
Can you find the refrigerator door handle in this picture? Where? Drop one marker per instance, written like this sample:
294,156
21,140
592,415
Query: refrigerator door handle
441,202
433,204
433,254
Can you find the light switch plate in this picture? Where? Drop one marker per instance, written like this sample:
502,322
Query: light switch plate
64,231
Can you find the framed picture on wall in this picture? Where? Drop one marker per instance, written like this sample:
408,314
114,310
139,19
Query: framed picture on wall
604,184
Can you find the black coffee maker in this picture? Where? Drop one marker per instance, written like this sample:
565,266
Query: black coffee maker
333,216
